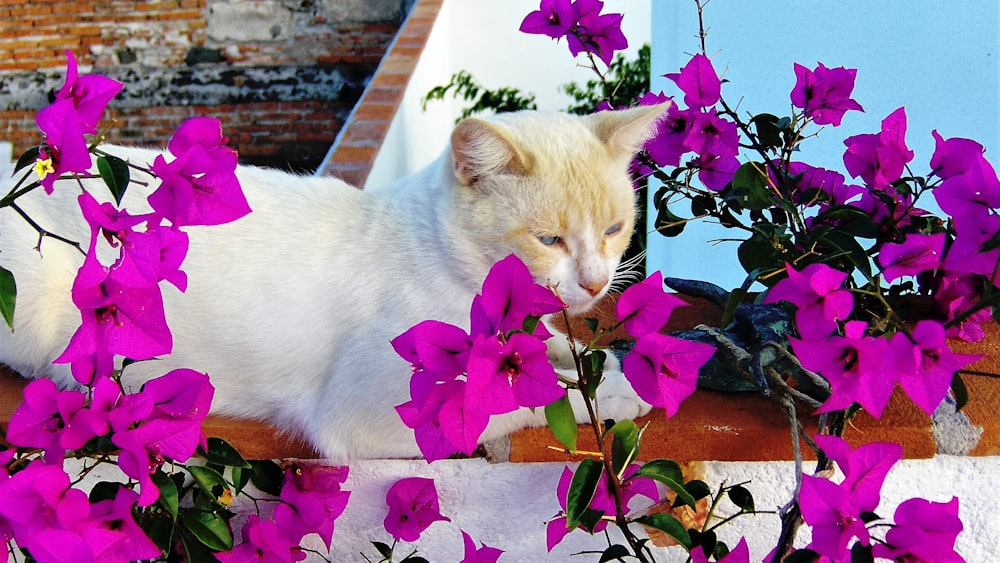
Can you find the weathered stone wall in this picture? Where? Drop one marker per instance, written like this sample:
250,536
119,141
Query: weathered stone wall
282,74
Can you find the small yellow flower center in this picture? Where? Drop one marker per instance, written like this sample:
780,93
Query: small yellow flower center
43,167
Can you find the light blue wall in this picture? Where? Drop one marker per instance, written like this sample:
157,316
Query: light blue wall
939,59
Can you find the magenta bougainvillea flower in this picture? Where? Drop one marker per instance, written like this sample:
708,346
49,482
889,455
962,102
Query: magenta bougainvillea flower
860,368
834,511
198,187
916,254
503,376
955,156
716,171
603,501
954,293
413,507
481,554
699,82
663,369
645,307
509,296
923,531
312,499
116,318
435,347
597,33
583,25
925,365
709,134
52,420
179,402
119,538
47,516
553,18
440,422
973,250
739,554
879,158
76,112
264,542
667,146
824,93
817,291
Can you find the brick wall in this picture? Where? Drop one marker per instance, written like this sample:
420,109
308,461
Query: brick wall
282,74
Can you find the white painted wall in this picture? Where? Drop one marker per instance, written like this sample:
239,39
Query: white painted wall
939,59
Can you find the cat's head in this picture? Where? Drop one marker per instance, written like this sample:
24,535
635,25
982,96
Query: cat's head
553,189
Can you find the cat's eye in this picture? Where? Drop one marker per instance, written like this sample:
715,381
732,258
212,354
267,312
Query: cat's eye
549,240
613,229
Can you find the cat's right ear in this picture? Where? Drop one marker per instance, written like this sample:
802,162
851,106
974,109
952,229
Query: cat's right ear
480,148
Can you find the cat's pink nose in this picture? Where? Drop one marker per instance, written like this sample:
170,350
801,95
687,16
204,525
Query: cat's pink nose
594,288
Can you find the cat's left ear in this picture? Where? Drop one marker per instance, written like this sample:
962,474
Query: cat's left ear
625,131
480,148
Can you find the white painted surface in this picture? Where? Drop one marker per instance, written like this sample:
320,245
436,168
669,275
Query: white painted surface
506,506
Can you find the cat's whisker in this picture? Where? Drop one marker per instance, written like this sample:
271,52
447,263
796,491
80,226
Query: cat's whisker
626,274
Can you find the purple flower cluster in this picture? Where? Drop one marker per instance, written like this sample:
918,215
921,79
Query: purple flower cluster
583,25
311,499
56,522
698,129
862,368
838,512
460,379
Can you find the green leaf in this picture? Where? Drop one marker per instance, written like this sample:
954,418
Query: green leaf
169,497
768,131
196,552
592,323
802,556
559,415
222,453
209,480
383,549
266,476
667,223
625,445
862,553
616,551
209,528
992,244
27,158
851,248
851,220
960,391
669,473
414,559
582,489
105,490
750,190
8,296
698,489
757,254
240,477
721,550
593,369
668,525
114,172
742,498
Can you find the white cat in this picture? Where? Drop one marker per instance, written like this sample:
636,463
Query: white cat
290,309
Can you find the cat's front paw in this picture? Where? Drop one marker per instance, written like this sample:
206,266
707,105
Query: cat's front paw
617,400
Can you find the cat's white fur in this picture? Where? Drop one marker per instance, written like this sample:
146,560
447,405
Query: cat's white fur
290,309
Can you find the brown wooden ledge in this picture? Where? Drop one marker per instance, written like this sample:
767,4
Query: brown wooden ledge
709,426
